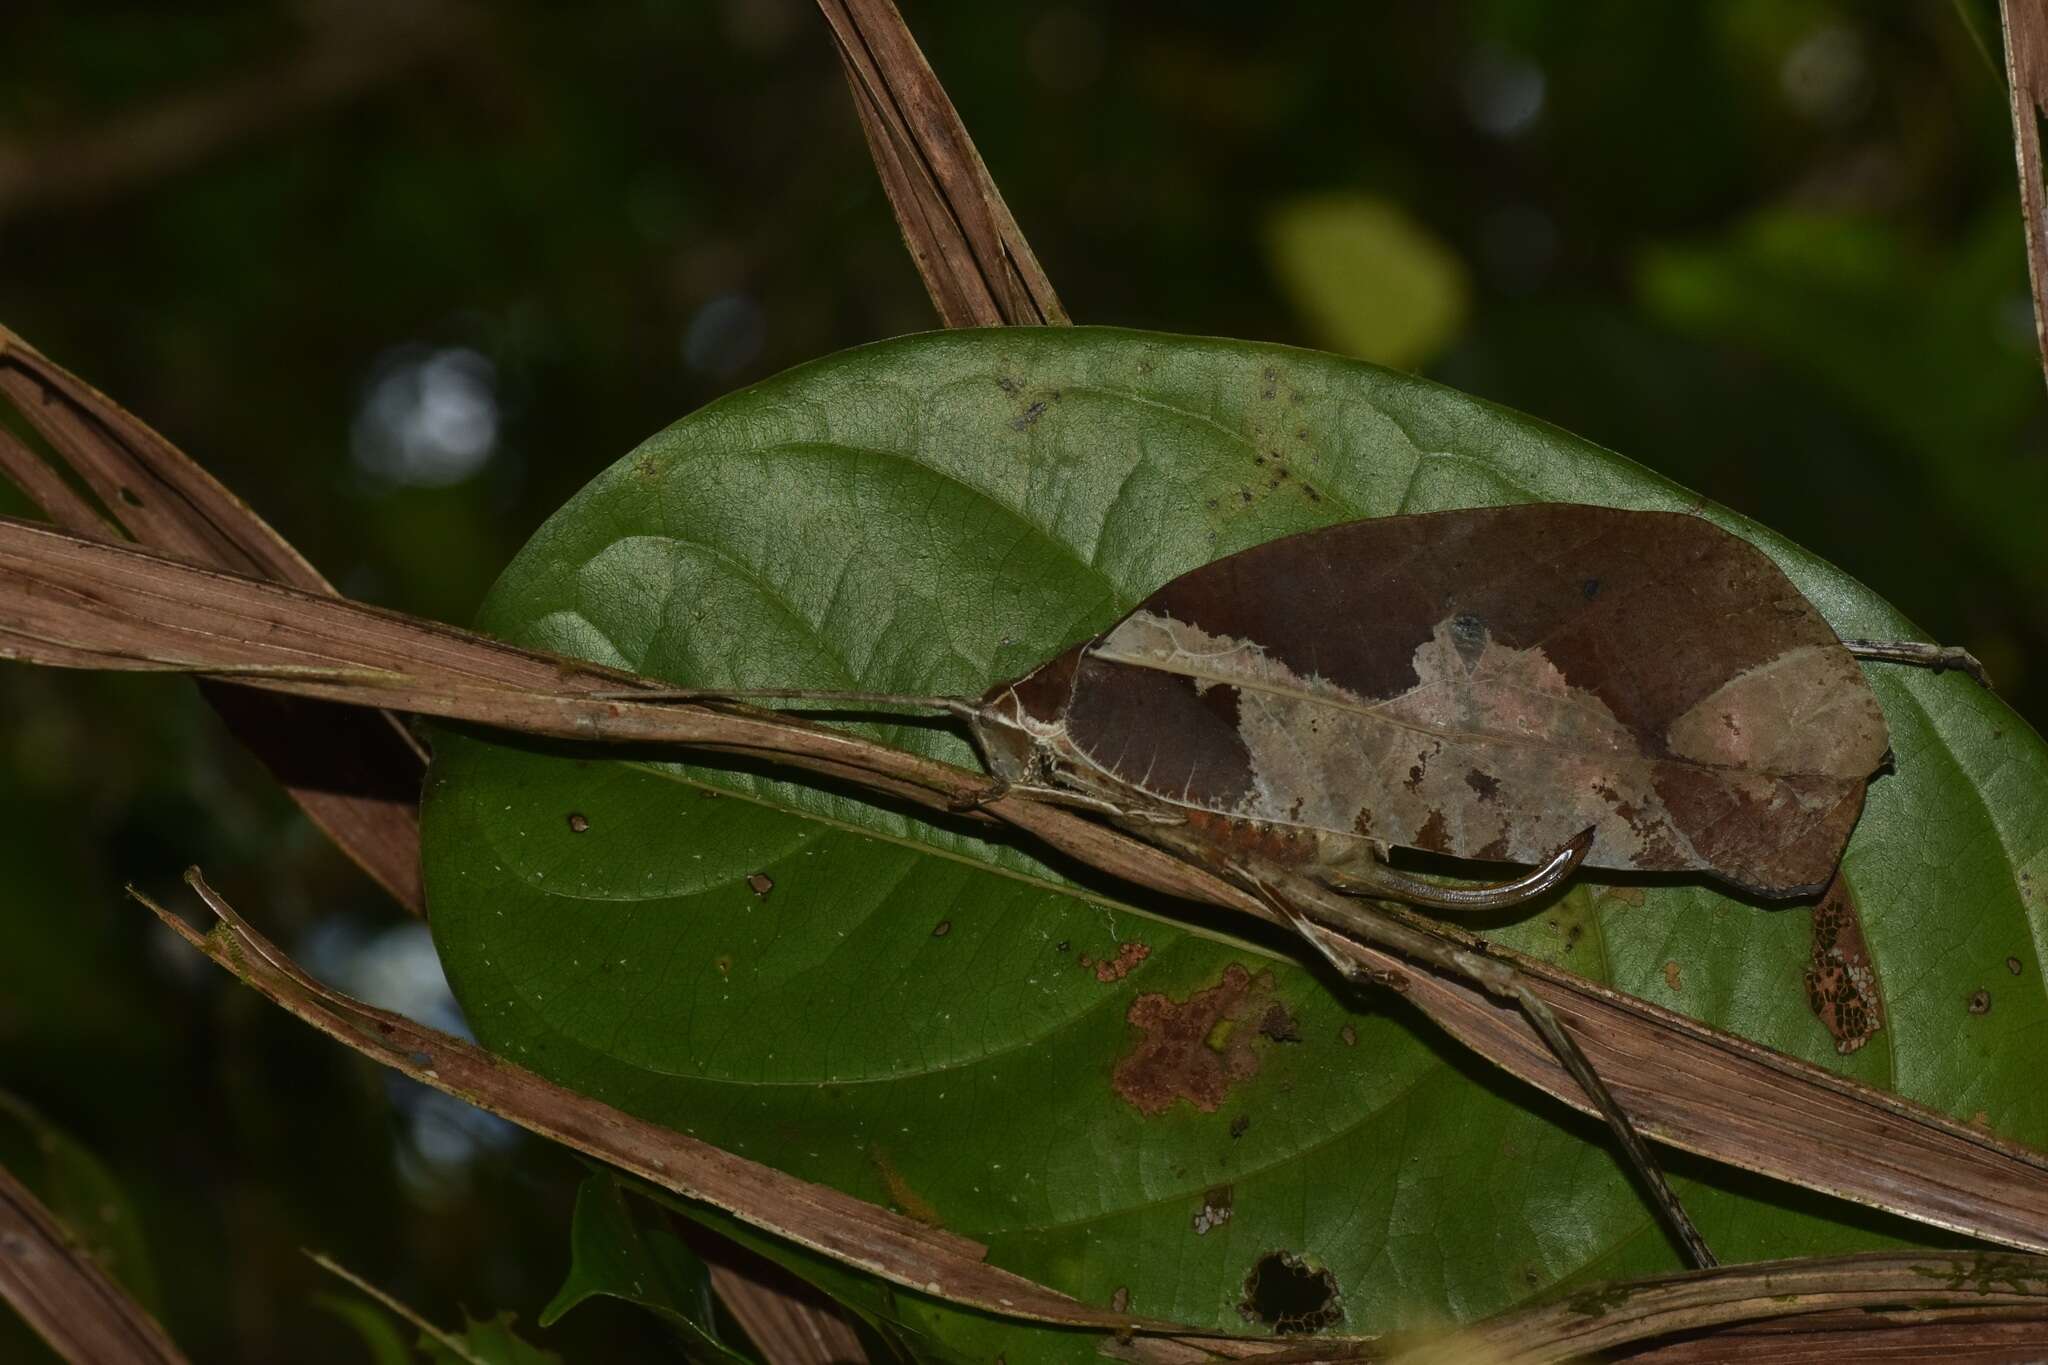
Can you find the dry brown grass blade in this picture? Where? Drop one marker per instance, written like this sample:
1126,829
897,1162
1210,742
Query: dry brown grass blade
1921,1304
873,1239
356,773
62,1293
1607,1316
787,1325
72,602
2026,76
975,262
1954,1336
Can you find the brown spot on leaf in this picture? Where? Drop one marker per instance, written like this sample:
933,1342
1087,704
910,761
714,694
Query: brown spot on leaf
1128,956
901,1194
1631,896
1029,417
942,928
1290,1296
760,883
1348,1036
1277,1025
2012,964
1841,981
1240,1125
1673,978
578,822
1120,1302
1980,1002
1193,1049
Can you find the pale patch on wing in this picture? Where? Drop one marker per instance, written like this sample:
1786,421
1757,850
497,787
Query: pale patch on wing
1494,754
1802,712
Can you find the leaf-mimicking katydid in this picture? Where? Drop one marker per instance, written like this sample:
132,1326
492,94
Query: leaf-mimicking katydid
1545,685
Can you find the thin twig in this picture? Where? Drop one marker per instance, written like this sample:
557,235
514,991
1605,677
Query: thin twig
366,47
455,1345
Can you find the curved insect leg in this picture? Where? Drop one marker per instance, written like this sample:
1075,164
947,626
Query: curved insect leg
1504,981
997,788
1373,876
1919,654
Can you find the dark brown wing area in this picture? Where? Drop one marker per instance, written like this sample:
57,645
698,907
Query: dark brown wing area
1487,683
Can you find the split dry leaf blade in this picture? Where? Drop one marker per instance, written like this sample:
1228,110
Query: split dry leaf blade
356,773
976,265
1982,1292
57,1287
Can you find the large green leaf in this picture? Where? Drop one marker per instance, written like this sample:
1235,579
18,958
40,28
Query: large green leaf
618,1251
924,1019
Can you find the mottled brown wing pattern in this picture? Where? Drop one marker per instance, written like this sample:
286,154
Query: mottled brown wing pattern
1486,684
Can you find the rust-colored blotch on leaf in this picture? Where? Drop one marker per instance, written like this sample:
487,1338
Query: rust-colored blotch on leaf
1484,684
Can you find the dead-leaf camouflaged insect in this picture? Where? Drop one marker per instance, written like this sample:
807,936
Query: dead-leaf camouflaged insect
1547,685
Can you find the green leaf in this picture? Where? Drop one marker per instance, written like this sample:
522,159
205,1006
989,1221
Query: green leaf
1368,279
84,1196
619,1250
372,1322
924,1018
485,1341
493,1341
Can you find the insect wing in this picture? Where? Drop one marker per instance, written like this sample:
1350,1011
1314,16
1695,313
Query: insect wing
1487,683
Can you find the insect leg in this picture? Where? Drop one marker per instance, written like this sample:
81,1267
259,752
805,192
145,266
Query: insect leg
1373,877
998,788
1502,980
1921,655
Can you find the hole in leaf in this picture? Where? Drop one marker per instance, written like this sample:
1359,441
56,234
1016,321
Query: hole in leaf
1290,1296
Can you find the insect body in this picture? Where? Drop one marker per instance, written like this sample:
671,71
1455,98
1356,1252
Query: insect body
1486,684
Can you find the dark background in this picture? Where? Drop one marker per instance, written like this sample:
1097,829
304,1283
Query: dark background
405,275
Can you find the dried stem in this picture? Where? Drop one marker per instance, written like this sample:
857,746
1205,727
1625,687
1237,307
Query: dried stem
64,1295
897,1248
355,773
976,265
2026,73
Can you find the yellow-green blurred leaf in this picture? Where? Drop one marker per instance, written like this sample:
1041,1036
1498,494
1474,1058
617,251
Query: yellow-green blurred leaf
1369,280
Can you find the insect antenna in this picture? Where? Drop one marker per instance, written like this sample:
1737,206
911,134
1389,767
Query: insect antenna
958,706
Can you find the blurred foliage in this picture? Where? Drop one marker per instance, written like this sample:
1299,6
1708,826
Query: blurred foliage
1768,247
79,1191
1368,280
